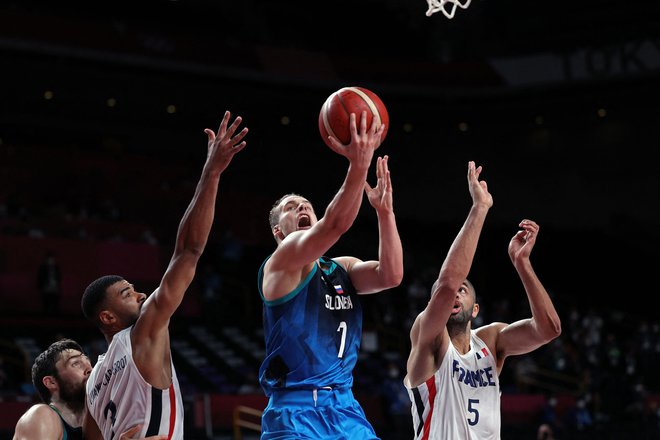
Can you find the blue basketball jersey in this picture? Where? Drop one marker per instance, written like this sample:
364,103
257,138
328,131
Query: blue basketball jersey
313,333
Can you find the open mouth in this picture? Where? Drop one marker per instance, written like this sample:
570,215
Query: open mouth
457,308
304,221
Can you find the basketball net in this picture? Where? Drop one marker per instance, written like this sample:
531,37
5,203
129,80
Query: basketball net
448,10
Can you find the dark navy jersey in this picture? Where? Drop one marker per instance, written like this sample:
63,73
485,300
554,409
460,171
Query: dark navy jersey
68,431
313,333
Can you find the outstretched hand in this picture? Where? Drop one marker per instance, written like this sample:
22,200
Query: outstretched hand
478,188
223,145
521,245
128,435
363,143
380,197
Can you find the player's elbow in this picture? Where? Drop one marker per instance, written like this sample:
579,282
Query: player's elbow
556,328
192,250
393,278
552,330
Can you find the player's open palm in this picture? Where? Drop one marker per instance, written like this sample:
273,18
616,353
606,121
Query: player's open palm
224,144
380,197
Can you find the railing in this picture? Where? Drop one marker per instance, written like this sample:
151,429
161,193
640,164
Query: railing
244,417
552,381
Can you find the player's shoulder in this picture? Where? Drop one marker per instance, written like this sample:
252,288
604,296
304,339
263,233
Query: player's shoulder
39,418
346,261
40,410
489,332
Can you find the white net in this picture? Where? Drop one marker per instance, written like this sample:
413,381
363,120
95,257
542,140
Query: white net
447,7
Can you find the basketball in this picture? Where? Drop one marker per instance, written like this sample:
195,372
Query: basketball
334,117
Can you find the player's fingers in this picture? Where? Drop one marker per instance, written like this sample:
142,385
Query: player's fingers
363,121
384,165
389,181
234,125
238,147
223,123
531,223
240,135
128,435
373,128
352,125
379,168
529,226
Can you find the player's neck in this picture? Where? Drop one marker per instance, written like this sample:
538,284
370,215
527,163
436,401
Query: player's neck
460,337
72,416
110,332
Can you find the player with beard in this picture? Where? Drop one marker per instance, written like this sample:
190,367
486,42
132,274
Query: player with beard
59,375
135,381
453,369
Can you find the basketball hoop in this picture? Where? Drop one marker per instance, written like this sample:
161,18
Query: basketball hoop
448,10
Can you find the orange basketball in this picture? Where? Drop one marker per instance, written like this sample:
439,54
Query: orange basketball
335,113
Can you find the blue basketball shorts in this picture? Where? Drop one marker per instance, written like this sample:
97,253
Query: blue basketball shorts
315,414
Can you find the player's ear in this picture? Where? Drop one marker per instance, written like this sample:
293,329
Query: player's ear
475,310
277,232
106,317
49,382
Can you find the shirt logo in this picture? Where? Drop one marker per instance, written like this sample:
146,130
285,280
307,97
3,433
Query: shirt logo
339,289
483,353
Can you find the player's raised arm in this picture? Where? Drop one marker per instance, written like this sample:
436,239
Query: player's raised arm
136,327
195,226
386,272
299,244
529,334
429,334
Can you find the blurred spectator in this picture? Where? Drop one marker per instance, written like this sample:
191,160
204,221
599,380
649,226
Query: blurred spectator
149,237
545,432
418,295
578,419
49,283
549,416
396,404
211,285
4,376
232,247
523,370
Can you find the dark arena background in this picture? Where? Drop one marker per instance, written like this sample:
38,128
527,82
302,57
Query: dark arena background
102,111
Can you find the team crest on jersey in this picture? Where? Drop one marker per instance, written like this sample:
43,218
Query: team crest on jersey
339,289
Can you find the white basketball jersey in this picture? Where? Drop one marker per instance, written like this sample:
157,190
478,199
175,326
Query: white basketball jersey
461,400
118,397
